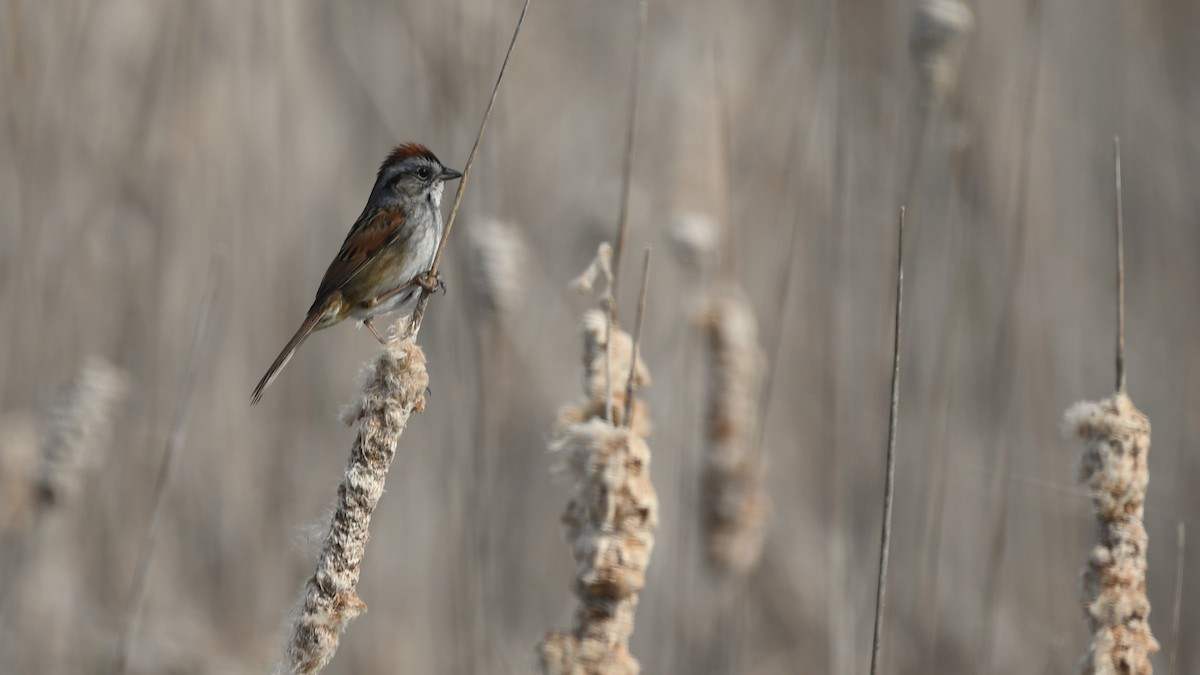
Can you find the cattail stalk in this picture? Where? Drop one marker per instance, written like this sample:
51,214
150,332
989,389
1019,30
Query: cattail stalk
885,538
1116,438
1115,469
734,501
612,513
392,390
1177,605
630,151
610,522
937,40
78,426
418,316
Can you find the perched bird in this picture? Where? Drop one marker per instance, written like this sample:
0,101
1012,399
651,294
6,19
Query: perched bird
383,263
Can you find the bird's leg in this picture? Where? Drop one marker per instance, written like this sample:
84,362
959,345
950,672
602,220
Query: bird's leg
375,331
375,301
429,286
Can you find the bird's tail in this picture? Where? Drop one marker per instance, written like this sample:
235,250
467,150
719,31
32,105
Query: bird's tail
306,328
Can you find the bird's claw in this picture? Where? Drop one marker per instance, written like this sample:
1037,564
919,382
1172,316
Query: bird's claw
428,286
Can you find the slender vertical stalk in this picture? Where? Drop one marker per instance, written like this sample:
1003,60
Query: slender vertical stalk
637,341
1120,268
1180,540
174,448
419,313
630,149
885,539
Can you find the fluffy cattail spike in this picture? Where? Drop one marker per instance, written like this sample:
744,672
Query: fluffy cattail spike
735,503
393,389
1116,438
612,513
936,42
610,522
78,426
497,257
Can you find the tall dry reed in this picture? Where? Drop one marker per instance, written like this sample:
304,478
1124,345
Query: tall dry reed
1115,468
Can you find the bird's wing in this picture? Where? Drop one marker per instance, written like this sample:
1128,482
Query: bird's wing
371,234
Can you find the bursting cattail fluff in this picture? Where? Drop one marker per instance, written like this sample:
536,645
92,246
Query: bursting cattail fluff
610,521
392,390
612,512
936,42
1116,438
598,358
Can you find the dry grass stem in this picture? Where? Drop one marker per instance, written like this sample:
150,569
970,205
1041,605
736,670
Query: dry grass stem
419,312
885,537
631,379
78,426
635,82
937,40
392,390
1120,219
735,503
1116,438
1177,605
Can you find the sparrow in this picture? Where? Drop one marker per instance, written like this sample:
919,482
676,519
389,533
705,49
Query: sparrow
386,257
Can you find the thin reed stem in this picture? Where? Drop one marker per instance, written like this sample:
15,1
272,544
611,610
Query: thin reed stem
1120,267
171,455
608,379
1177,605
885,539
630,150
637,340
419,312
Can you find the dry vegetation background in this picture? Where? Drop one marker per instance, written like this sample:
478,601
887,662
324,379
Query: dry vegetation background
140,141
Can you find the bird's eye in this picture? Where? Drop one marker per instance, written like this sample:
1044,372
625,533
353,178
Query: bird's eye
423,173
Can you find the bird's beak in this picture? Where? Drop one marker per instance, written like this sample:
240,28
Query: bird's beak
450,174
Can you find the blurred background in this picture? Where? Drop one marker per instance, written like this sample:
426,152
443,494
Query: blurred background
148,149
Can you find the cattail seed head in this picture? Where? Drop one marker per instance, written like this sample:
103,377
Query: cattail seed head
78,427
693,238
936,42
1116,438
392,389
595,362
610,521
734,501
496,255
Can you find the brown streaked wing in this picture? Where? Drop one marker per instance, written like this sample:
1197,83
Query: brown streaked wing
370,235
